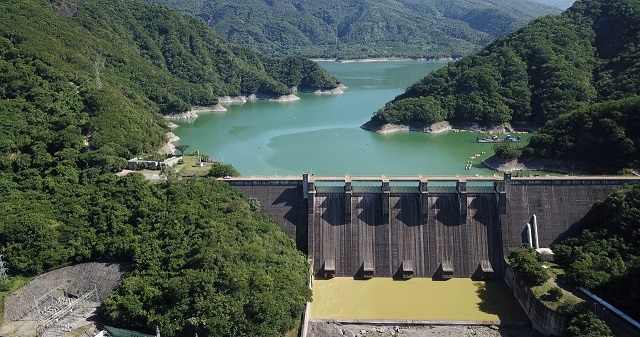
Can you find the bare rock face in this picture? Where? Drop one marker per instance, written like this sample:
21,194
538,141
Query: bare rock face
68,10
186,116
391,128
285,98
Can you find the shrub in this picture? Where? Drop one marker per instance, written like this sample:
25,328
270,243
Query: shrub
507,151
555,294
524,262
220,170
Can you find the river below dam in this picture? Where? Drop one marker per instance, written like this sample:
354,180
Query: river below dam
419,300
321,134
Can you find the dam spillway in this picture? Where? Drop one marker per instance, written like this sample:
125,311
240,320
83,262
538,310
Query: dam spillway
437,227
400,231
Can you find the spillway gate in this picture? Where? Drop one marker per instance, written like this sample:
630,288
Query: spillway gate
419,228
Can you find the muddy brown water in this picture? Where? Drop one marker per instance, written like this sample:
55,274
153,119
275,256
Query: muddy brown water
458,299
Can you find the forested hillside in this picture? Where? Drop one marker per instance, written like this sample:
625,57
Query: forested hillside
363,29
605,257
578,70
138,59
82,86
562,4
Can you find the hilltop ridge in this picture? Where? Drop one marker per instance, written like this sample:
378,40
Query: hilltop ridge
356,29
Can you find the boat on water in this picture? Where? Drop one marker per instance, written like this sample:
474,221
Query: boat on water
496,139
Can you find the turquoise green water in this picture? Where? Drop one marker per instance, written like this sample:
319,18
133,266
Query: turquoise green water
321,134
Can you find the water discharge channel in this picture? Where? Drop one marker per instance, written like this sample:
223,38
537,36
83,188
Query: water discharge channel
418,299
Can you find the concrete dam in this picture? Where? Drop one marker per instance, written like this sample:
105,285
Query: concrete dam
436,227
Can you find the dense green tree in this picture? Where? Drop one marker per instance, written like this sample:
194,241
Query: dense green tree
525,262
605,256
587,325
507,150
219,170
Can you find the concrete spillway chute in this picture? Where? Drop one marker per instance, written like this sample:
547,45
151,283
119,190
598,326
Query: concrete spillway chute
529,235
367,269
329,268
407,269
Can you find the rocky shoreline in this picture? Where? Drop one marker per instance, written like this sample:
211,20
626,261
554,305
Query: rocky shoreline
335,91
168,147
539,164
439,127
192,114
335,329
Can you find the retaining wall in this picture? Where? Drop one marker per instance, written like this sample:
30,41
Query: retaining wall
543,319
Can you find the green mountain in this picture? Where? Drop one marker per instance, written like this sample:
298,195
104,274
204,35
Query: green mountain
82,87
363,28
562,4
125,62
577,71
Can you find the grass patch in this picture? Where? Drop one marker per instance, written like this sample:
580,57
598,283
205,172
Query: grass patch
555,272
189,169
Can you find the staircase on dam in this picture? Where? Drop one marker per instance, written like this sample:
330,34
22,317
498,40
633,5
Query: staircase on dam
434,227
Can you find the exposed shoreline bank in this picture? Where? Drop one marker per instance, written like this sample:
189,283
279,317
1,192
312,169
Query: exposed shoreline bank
440,127
494,162
567,167
383,59
192,114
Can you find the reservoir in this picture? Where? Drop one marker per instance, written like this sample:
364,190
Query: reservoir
321,134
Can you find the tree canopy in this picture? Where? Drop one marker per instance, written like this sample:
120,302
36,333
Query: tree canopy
363,29
81,89
605,256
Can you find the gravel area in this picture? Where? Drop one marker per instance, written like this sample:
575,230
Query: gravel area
331,329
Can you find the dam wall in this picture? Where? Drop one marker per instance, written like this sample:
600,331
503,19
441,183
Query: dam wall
560,206
283,201
424,226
